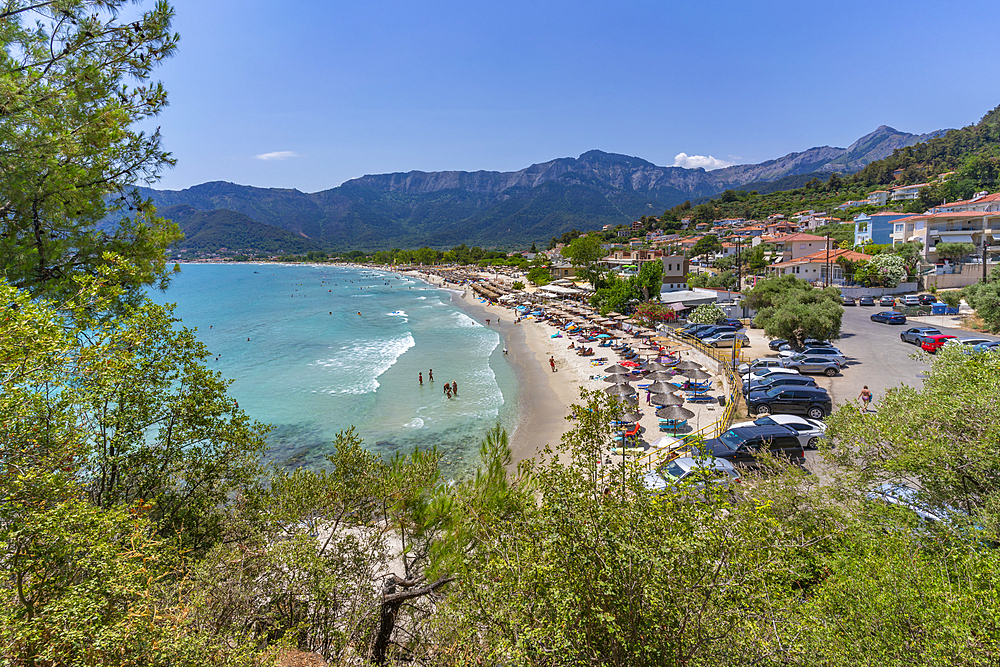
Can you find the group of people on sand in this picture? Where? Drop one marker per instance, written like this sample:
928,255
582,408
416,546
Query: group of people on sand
450,390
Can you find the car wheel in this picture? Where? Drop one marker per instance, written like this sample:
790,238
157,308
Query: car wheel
813,442
815,413
830,372
763,409
902,338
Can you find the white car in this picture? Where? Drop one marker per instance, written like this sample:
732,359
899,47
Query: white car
757,364
762,373
809,430
968,341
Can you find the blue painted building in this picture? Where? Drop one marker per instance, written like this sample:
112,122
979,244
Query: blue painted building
875,228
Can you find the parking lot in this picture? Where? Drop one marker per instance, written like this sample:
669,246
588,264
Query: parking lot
876,355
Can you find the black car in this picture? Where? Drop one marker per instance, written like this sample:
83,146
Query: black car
914,334
691,329
927,299
813,402
742,445
889,317
779,380
730,322
711,331
866,301
776,343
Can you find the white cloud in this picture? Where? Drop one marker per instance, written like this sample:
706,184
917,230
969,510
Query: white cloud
277,155
704,161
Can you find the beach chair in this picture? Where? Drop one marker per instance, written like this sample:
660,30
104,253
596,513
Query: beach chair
672,424
698,397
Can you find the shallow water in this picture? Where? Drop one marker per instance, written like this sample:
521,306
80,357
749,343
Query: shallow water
313,350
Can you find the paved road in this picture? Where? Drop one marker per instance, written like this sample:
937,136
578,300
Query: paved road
876,355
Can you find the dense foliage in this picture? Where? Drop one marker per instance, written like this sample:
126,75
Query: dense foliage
790,308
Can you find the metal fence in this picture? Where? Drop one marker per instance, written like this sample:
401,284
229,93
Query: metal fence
725,357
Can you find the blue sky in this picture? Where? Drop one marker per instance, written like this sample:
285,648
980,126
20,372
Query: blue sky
330,91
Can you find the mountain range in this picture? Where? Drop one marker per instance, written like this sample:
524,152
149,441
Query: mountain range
488,208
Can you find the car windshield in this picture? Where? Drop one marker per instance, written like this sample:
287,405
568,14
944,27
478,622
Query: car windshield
672,472
731,440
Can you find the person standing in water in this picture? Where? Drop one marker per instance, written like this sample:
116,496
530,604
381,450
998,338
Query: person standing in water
420,378
454,388
447,390
430,374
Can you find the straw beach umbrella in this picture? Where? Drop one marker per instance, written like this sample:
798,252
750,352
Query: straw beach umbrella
687,365
661,387
674,412
620,378
659,376
656,366
620,390
666,399
696,373
617,368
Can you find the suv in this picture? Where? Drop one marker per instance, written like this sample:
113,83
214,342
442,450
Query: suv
779,380
727,339
742,445
927,299
809,430
813,402
806,363
914,334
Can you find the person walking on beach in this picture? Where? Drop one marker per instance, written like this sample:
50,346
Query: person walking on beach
454,388
866,398
430,374
552,363
487,321
420,378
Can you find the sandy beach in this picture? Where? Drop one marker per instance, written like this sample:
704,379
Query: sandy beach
545,397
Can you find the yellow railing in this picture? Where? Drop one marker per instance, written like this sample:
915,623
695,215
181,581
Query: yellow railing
717,428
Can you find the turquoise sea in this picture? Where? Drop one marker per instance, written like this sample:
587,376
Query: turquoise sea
313,350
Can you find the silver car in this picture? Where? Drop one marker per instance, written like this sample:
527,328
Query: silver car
727,339
696,471
809,430
757,364
804,363
831,352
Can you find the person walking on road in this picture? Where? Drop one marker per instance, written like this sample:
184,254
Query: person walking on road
866,398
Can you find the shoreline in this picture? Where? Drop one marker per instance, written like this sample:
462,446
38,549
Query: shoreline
544,397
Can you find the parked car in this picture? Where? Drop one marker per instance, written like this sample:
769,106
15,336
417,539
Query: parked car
805,363
887,301
914,334
765,372
727,339
825,352
969,342
986,347
779,380
934,343
848,300
730,322
889,317
814,402
743,445
777,343
711,331
807,344
911,300
926,299
693,471
808,430
866,301
692,329
763,362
